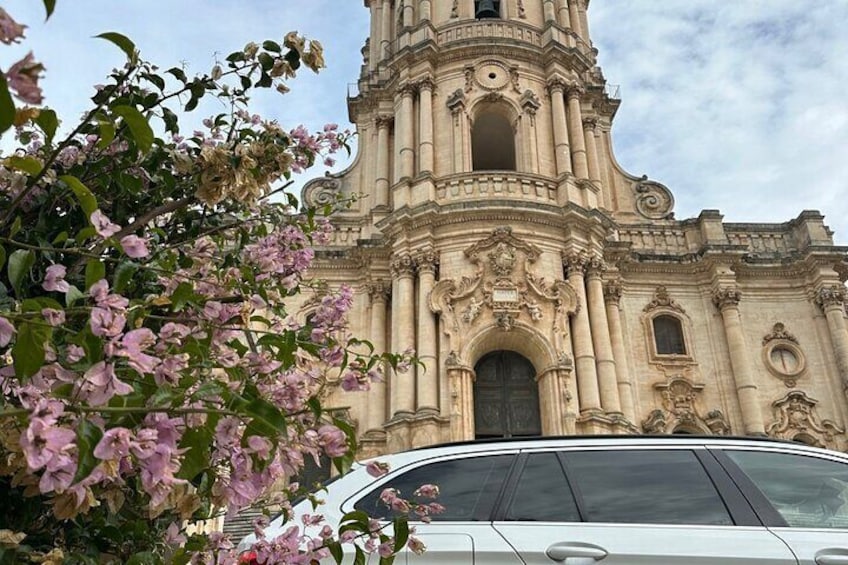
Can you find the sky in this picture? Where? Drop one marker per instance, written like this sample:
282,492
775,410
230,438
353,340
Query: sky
736,105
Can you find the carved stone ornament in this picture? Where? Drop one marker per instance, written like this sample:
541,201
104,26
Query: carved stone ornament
379,290
489,75
530,102
828,296
403,265
502,292
679,412
796,418
653,200
612,292
455,9
456,101
783,356
726,297
322,191
778,331
663,300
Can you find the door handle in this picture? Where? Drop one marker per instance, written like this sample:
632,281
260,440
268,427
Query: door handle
562,551
826,558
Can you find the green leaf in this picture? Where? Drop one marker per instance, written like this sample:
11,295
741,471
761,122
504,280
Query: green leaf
196,459
88,436
335,549
20,263
142,558
95,270
178,73
123,275
48,122
401,527
2,256
16,227
182,295
7,105
171,121
28,351
106,129
73,295
139,127
29,165
122,41
87,201
49,6
271,46
360,556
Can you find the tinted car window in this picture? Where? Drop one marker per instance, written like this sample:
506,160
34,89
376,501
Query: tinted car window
807,491
542,494
468,487
645,487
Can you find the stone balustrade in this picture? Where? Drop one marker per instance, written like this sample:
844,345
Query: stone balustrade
495,184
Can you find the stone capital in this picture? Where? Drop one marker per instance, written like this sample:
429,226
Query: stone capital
828,296
556,85
612,292
574,262
427,261
379,290
407,89
595,267
384,120
726,297
575,90
402,266
590,123
425,83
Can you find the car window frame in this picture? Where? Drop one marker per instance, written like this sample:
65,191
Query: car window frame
740,512
767,512
349,503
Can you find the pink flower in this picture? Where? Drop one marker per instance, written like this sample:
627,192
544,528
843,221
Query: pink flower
103,225
42,441
53,317
377,468
132,346
74,353
54,279
106,323
427,491
386,549
23,79
415,545
114,444
58,475
10,30
100,292
227,432
7,330
333,440
173,535
100,383
134,246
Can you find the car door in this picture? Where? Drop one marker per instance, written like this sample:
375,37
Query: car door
801,496
632,506
470,487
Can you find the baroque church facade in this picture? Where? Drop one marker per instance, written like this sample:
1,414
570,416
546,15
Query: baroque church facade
545,290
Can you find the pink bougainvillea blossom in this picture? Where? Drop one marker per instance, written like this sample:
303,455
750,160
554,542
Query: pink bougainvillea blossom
377,468
53,317
134,246
103,225
23,79
7,330
114,444
10,30
54,279
42,441
100,384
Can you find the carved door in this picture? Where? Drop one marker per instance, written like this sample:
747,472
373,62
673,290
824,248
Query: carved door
506,397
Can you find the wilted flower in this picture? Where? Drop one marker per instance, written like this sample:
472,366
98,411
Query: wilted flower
23,79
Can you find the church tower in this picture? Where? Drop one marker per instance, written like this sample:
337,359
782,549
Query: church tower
545,290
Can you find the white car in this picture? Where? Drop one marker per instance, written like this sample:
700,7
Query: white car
636,500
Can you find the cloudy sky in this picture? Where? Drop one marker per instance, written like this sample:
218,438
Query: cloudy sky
738,105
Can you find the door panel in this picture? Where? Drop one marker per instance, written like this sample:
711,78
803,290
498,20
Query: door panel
461,543
506,396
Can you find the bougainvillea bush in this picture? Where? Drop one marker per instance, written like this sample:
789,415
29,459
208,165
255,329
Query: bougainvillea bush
152,374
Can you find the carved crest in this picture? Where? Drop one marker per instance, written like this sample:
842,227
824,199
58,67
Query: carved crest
663,300
796,418
680,413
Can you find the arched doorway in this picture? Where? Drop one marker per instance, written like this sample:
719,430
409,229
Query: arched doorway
506,397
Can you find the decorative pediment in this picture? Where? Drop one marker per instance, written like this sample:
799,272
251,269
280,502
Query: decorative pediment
503,292
679,413
662,300
796,418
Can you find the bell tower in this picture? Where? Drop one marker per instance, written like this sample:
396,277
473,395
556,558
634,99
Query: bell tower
490,220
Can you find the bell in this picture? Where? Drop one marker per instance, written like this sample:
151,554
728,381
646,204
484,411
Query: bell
486,9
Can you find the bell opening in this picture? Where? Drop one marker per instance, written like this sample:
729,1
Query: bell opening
487,9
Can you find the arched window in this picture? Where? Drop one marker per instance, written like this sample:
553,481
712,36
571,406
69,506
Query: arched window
668,336
487,9
492,143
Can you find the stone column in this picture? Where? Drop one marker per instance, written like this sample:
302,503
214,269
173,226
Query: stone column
575,132
428,373
374,41
612,295
382,182
562,13
550,11
376,416
589,125
405,132
530,105
575,20
832,302
385,29
461,382
582,5
581,335
424,11
403,334
607,379
408,14
556,90
726,300
425,125
456,104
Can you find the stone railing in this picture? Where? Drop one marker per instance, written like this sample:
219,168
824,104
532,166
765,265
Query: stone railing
489,29
762,242
661,240
495,184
